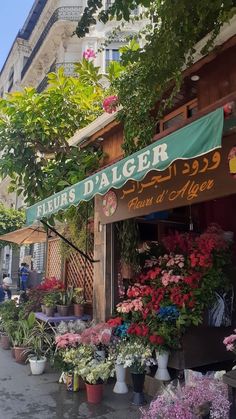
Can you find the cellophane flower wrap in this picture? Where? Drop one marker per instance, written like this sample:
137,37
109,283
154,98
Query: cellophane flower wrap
178,281
201,397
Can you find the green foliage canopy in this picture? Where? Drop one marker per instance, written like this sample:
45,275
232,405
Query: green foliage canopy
34,132
10,220
172,30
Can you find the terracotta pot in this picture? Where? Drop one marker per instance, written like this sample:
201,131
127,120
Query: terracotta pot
62,310
5,342
49,311
21,354
94,393
79,310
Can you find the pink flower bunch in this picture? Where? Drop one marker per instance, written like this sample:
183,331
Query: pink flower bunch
110,104
89,54
99,334
67,340
175,260
130,305
169,277
230,342
190,401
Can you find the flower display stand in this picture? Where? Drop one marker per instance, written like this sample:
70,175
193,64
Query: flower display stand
120,386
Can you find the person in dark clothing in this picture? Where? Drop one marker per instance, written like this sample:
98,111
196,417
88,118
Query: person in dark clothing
24,276
5,292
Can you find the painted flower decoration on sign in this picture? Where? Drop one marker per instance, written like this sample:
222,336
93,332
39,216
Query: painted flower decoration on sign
109,204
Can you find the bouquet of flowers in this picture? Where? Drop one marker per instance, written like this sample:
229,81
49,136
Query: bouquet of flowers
96,372
98,336
175,287
230,342
77,326
51,284
202,397
134,354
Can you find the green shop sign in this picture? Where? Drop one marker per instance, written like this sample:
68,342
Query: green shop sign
198,138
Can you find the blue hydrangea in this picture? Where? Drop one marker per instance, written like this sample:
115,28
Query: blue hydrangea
168,313
121,330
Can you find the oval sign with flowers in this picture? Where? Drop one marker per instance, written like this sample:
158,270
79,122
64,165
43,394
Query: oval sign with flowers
109,204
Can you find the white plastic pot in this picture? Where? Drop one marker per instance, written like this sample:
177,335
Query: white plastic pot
37,366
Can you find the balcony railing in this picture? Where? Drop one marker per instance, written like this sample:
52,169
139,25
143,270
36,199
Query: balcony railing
62,13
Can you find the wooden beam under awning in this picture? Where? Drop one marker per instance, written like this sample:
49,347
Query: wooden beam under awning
26,235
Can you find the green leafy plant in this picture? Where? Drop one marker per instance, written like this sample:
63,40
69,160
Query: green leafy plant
40,340
168,35
65,297
78,296
128,237
51,299
10,220
23,329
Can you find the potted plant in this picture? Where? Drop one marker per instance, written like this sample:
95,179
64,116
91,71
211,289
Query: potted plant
65,299
49,302
79,301
21,335
8,314
95,373
73,357
99,337
39,343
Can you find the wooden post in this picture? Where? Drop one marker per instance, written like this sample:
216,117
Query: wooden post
102,285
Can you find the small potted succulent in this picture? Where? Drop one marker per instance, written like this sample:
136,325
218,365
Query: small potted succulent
65,299
49,301
79,301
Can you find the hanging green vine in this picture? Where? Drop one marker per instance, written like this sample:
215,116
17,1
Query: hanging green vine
174,28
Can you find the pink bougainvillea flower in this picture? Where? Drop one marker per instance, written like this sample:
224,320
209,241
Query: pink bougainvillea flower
89,54
110,104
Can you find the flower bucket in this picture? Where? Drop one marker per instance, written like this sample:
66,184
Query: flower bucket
37,366
138,385
5,342
162,373
120,386
94,393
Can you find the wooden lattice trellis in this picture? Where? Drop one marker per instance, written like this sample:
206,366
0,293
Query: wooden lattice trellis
79,273
54,259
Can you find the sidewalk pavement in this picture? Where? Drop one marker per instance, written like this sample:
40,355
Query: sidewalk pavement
24,396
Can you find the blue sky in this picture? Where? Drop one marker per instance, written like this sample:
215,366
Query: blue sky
13,14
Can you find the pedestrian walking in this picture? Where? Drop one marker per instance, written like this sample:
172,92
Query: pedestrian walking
24,276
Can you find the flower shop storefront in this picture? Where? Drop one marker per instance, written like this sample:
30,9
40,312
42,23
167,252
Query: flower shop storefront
172,185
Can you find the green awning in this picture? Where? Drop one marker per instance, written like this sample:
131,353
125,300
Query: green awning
198,138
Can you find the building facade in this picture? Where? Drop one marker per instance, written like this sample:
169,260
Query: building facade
44,44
